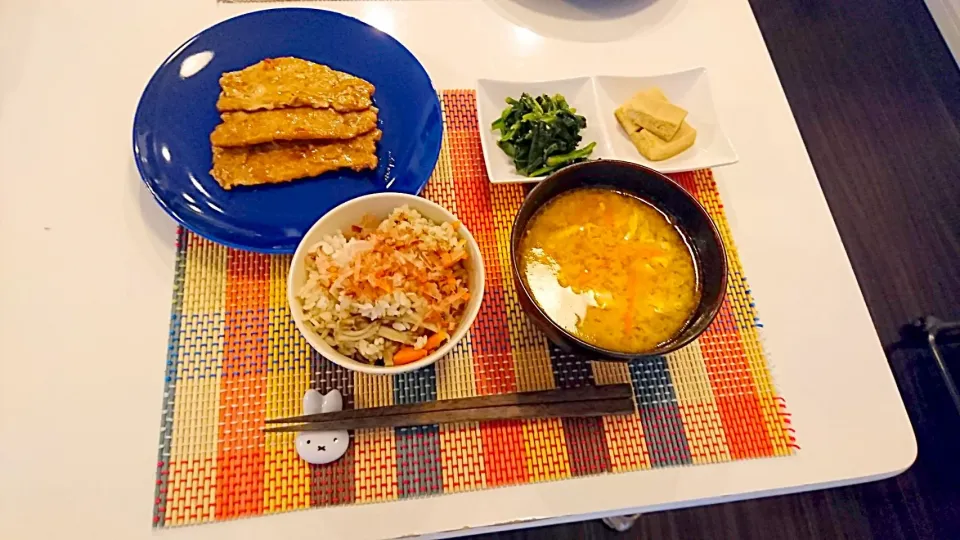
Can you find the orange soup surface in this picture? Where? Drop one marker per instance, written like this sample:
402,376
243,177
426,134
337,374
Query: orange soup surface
610,269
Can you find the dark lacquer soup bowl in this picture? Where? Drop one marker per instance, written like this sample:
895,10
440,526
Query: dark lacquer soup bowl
687,215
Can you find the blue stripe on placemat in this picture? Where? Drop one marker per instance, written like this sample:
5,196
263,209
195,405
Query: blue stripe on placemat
418,448
569,370
328,376
415,386
170,382
327,481
659,412
586,445
418,461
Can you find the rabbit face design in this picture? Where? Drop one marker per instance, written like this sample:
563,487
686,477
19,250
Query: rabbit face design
322,447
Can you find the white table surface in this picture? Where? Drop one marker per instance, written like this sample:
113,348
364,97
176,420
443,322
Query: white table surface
86,264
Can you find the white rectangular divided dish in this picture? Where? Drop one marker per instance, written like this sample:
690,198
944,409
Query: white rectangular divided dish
596,98
491,100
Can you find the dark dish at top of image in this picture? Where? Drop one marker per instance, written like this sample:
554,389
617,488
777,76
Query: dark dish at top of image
285,119
541,134
610,269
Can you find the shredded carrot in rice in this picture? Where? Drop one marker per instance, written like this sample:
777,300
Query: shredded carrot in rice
388,291
418,269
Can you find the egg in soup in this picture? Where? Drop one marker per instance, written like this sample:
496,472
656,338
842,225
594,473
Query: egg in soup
610,269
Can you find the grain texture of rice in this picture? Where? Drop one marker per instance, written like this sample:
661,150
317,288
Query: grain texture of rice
383,288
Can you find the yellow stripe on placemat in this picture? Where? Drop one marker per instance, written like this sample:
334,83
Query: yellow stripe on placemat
698,406
440,187
205,277
546,449
372,390
461,446
531,355
626,444
193,449
461,454
286,476
374,450
455,374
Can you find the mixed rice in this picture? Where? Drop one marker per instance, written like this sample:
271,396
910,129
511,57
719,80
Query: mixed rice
387,292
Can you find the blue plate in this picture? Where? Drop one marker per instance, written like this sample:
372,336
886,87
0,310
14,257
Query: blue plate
178,111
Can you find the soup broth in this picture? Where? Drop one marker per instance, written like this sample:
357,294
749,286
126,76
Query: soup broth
610,269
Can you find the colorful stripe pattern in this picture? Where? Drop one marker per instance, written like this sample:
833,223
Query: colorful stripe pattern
235,358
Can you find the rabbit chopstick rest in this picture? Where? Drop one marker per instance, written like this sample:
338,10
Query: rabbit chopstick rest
322,447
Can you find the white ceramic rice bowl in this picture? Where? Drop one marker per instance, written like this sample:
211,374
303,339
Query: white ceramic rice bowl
342,218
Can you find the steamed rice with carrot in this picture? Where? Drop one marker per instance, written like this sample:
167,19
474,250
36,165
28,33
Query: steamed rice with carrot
387,292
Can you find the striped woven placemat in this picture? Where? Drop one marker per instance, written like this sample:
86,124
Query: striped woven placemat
235,358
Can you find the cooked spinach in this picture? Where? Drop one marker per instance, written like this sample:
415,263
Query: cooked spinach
541,134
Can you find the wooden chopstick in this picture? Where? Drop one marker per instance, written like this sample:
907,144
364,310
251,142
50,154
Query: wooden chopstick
585,393
580,409
522,405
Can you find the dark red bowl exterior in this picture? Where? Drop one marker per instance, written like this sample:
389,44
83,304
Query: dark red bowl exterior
669,197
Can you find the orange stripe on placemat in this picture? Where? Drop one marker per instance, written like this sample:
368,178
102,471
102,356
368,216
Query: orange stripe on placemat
690,181
746,321
493,357
746,426
240,456
504,452
733,388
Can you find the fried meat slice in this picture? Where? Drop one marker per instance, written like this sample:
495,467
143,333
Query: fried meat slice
279,162
243,128
276,83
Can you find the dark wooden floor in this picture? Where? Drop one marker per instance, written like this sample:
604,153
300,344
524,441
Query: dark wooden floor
877,97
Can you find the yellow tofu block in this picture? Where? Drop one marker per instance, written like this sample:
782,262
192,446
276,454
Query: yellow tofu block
656,149
654,92
657,115
628,124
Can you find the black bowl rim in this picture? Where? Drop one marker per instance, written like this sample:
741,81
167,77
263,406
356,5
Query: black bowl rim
671,346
